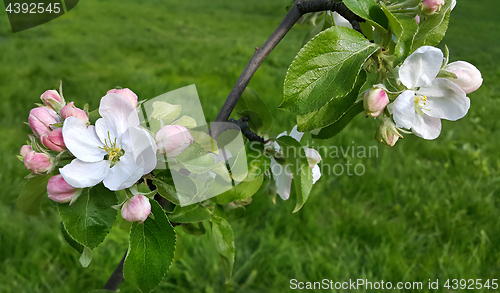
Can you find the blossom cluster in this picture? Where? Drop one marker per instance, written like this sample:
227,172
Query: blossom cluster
116,150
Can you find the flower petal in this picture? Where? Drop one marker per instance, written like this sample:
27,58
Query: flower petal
426,127
124,173
403,109
283,177
340,20
142,146
445,100
421,67
80,174
316,173
119,111
297,135
81,140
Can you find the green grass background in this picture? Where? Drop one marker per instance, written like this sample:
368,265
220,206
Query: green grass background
423,209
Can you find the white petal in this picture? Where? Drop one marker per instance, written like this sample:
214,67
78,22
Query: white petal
80,174
421,67
124,173
445,100
453,4
340,20
118,108
426,127
316,173
81,140
297,135
283,178
404,109
141,145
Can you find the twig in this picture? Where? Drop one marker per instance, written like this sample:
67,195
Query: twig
116,277
245,129
295,13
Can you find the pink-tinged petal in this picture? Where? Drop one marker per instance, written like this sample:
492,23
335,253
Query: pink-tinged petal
124,173
316,173
404,109
421,67
80,174
82,141
297,135
426,127
283,178
127,93
445,100
141,145
117,107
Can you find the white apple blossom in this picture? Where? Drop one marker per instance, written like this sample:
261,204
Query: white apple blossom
282,174
116,151
428,98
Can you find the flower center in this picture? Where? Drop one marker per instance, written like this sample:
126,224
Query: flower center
114,152
420,103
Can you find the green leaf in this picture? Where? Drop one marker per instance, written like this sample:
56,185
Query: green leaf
151,250
77,246
325,69
433,28
340,124
205,141
194,229
251,104
189,214
370,11
89,219
195,159
296,159
223,238
257,160
167,191
31,195
332,111
322,25
404,28
243,190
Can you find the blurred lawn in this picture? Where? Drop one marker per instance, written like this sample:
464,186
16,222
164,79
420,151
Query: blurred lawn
423,209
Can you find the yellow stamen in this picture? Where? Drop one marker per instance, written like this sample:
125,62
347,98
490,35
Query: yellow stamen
114,152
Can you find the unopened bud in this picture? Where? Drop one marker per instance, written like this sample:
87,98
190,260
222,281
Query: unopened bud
375,101
40,120
25,149
70,110
54,140
38,163
53,100
173,140
431,6
137,208
388,133
127,93
468,76
60,191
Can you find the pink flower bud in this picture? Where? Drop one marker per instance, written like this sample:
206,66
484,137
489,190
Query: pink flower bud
173,140
25,149
52,100
417,19
37,163
137,208
60,191
431,6
468,76
40,120
128,94
375,101
54,140
388,133
70,110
